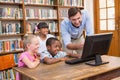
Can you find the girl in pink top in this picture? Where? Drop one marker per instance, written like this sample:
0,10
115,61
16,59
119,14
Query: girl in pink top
29,57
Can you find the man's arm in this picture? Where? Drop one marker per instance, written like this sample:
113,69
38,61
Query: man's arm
88,23
75,46
66,37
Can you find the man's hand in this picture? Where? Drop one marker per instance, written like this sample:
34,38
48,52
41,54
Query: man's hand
75,46
80,46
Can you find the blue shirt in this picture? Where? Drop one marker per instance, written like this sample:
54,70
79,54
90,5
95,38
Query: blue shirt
68,31
45,53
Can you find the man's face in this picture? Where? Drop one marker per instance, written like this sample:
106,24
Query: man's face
76,20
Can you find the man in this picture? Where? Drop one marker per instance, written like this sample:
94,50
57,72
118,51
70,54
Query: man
72,30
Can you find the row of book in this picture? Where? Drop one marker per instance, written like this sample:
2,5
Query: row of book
12,13
11,45
44,13
53,26
12,1
71,2
63,13
7,75
9,28
31,25
47,2
43,2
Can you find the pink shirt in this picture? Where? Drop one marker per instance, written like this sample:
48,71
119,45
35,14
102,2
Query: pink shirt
22,64
25,54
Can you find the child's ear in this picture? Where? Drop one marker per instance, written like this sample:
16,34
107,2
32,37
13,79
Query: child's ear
38,31
48,47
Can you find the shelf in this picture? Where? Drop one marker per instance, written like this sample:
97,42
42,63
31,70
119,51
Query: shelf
10,19
41,5
81,7
10,52
10,3
42,19
6,35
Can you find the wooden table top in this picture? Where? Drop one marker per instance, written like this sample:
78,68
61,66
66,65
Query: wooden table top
63,71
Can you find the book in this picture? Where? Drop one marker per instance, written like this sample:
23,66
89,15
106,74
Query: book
3,28
0,28
16,58
10,28
1,75
1,46
1,11
12,75
17,25
12,45
28,28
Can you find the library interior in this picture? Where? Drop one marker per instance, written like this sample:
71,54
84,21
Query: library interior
59,39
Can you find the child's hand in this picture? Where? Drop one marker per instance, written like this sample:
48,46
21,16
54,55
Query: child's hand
37,60
63,59
38,54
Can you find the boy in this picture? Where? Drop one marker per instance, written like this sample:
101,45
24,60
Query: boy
53,54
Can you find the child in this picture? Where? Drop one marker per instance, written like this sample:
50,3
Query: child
29,58
53,54
43,30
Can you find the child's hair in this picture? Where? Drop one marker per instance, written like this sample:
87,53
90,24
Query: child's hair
50,41
39,26
27,39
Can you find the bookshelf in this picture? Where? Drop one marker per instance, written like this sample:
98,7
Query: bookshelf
41,10
18,17
11,25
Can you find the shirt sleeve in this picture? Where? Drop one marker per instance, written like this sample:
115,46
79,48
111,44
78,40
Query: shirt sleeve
61,54
22,56
20,63
44,54
88,23
66,37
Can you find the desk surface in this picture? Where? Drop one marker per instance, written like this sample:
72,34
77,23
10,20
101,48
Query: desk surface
62,71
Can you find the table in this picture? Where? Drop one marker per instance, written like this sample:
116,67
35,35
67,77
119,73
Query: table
81,71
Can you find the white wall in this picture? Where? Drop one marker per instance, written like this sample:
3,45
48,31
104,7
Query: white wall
88,5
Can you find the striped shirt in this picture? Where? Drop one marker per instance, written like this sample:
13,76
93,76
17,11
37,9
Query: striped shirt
60,54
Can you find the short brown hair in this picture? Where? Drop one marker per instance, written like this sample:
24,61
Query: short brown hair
73,11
